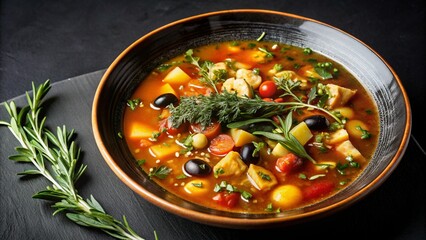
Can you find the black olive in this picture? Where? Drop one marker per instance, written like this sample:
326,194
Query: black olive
165,99
246,153
317,122
197,167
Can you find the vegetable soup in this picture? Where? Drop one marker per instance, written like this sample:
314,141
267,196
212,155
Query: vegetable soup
251,126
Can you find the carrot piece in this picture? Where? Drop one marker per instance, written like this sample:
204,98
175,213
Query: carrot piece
221,145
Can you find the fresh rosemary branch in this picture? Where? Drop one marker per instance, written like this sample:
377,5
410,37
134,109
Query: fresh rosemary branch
286,139
38,144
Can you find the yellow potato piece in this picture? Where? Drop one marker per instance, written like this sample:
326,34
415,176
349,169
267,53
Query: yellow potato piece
139,130
261,178
347,149
337,136
302,133
164,150
177,77
167,88
242,137
279,151
230,165
339,95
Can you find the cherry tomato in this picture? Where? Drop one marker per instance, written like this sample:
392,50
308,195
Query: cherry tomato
227,199
267,89
210,131
318,189
167,124
288,163
221,145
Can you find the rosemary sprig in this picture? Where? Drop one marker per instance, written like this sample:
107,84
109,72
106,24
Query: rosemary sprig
38,144
285,138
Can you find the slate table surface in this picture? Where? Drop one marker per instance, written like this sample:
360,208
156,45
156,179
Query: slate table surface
73,42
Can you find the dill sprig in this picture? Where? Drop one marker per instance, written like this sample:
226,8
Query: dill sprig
228,107
55,157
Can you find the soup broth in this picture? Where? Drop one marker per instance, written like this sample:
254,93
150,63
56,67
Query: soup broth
253,127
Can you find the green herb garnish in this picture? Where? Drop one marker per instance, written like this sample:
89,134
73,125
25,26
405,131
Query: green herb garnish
160,172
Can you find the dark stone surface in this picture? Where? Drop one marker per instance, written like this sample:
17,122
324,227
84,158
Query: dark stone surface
58,40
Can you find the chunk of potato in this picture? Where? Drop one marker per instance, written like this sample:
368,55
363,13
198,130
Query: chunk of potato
302,133
242,137
337,136
230,165
279,151
177,77
167,88
140,130
346,149
261,178
164,150
339,95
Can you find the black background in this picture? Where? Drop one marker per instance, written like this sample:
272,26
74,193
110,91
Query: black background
57,40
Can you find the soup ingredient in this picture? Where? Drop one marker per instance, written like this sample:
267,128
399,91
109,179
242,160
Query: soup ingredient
221,145
267,89
317,122
249,154
197,167
165,99
286,196
56,158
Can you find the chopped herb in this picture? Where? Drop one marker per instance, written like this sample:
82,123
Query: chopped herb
307,51
290,58
134,103
164,67
369,111
235,43
141,162
264,176
198,185
246,195
161,172
267,53
257,147
251,45
364,133
218,172
256,71
296,66
278,67
181,176
302,176
120,135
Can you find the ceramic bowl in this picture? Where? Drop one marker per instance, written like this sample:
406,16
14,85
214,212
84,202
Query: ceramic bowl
146,53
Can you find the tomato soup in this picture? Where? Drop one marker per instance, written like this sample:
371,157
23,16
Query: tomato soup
251,126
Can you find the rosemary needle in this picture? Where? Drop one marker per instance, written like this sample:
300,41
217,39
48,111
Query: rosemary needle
55,157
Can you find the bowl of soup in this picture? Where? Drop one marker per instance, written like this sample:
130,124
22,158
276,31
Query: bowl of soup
251,118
